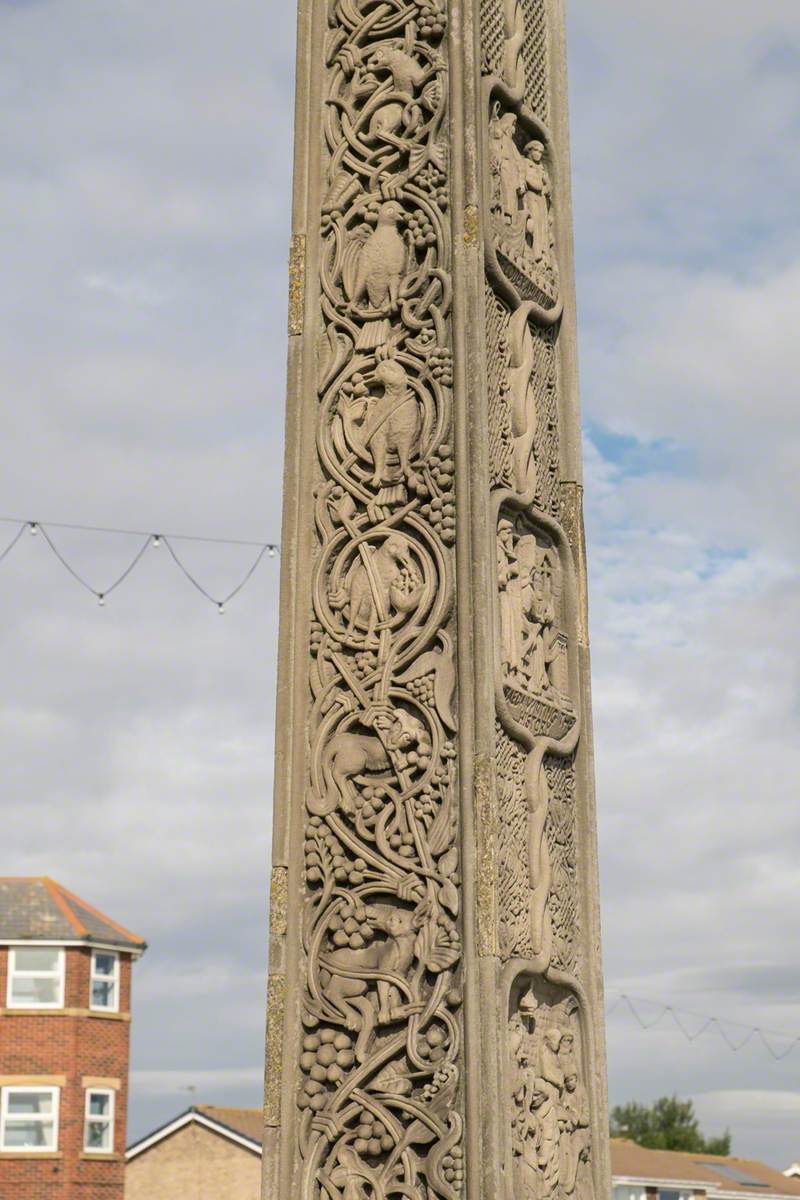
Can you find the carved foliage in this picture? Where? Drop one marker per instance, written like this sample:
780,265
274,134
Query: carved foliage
380,1064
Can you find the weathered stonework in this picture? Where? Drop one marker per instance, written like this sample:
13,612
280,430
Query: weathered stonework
435,1022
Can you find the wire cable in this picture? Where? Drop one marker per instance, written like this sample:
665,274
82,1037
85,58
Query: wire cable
150,539
720,1025
195,584
176,537
14,540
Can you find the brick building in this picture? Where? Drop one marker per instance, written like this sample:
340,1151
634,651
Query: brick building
65,988
207,1153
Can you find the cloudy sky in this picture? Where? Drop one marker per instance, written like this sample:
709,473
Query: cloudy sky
144,183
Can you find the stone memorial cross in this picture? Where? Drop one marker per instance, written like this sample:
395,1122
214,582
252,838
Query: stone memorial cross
435,1021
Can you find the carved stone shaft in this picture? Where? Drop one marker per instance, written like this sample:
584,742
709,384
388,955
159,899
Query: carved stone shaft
435,1021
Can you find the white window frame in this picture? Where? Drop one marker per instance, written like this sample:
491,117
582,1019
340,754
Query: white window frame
109,1120
55,1093
94,975
15,973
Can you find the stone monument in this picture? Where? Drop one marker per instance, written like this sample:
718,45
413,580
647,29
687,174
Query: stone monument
435,1024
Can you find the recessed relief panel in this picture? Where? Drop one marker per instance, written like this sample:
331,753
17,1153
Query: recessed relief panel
533,645
521,206
550,1148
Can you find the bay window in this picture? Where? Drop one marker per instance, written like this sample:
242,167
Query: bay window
29,1119
35,977
98,1130
105,981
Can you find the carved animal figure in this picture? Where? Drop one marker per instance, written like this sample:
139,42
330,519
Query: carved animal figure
349,754
407,73
387,564
374,262
393,421
392,956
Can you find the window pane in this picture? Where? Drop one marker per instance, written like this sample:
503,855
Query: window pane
36,958
102,994
30,1135
24,1103
34,991
104,964
98,1135
99,1104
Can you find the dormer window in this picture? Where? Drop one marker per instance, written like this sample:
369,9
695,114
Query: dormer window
105,981
35,977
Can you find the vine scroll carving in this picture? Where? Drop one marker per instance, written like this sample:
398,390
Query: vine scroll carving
428,840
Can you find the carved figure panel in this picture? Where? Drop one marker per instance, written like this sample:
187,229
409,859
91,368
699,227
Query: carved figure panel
551,1145
533,646
520,203
379,1073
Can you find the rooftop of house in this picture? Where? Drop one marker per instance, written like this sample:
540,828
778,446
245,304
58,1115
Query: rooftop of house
714,1174
629,1161
244,1126
38,909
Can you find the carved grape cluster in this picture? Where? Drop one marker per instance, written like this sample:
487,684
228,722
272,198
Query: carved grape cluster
327,1055
430,20
355,387
421,229
440,1079
371,1137
426,803
433,1043
453,1167
369,803
347,929
324,856
403,844
364,663
422,689
435,183
440,365
441,512
442,466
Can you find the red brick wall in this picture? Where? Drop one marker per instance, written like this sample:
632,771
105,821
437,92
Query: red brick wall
72,1044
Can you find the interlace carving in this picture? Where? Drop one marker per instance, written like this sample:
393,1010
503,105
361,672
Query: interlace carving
379,1091
515,49
560,833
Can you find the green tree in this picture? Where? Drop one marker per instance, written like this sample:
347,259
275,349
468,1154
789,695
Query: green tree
668,1124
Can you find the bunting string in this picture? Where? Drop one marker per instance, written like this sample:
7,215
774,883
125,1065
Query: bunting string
150,541
692,1025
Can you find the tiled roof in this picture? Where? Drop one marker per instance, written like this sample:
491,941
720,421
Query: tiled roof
710,1172
248,1122
243,1126
39,909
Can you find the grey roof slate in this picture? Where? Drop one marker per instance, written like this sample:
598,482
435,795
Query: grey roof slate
39,909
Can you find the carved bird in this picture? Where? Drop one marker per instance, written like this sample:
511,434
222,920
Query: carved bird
375,262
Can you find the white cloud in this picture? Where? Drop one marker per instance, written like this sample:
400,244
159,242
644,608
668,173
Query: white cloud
144,170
